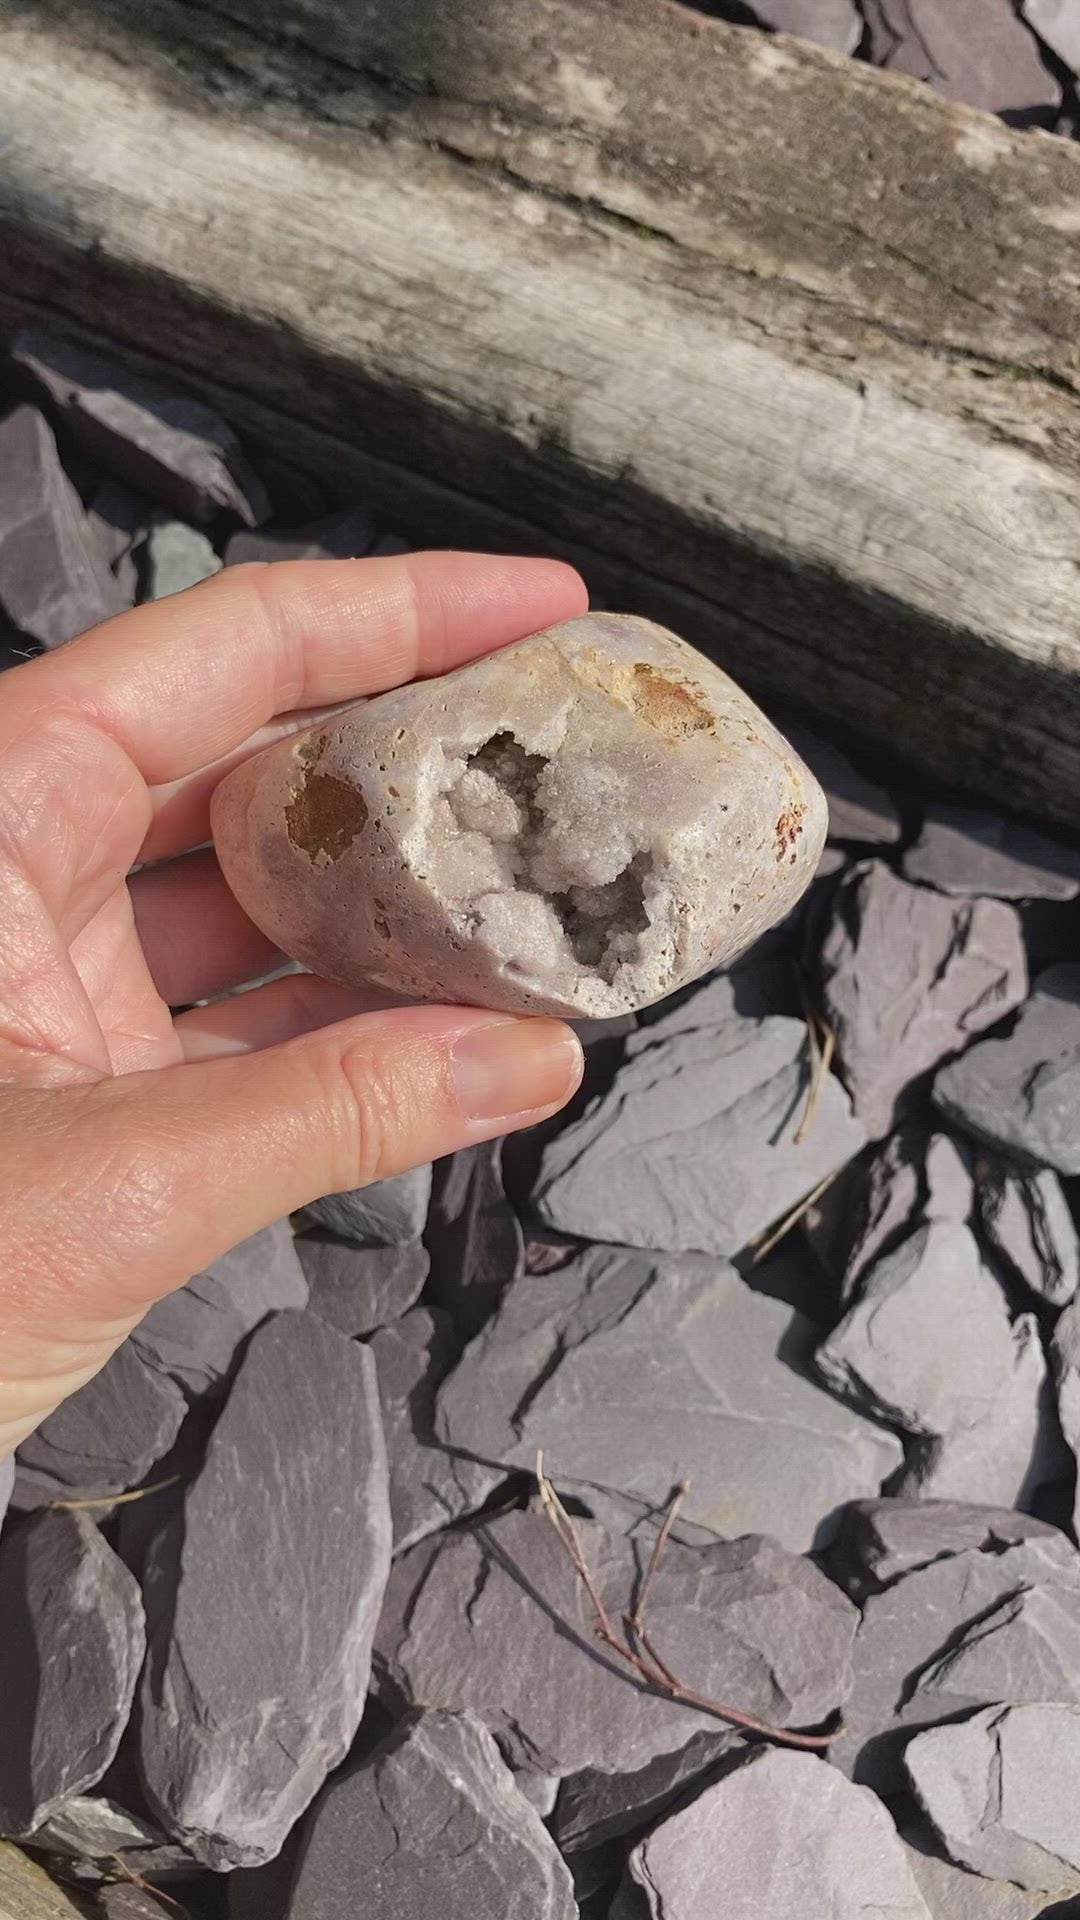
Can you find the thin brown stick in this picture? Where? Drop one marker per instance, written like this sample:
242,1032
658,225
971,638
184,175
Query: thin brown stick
822,1041
114,1499
650,1667
792,1219
136,1880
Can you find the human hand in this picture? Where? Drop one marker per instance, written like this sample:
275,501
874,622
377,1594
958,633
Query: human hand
137,1147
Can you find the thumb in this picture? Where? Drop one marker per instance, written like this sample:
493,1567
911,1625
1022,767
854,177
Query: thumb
126,1188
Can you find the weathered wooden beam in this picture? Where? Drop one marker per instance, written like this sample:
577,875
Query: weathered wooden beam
787,351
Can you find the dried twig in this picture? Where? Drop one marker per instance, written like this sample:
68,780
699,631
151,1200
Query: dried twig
648,1664
792,1219
136,1880
114,1499
822,1043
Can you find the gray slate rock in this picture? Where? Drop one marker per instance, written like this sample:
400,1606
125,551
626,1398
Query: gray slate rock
1057,24
153,439
1003,1461
432,1825
1026,1220
914,1177
120,1902
88,1826
359,1289
175,557
494,1620
902,1680
7,1481
72,1645
909,977
779,1837
999,1789
975,1387
594,1808
952,1893
106,1438
971,50
1023,1093
475,1238
880,1540
338,536
119,521
249,1702
694,1146
964,851
1065,1360
828,23
636,1371
54,582
389,1213
860,812
196,1335
429,1486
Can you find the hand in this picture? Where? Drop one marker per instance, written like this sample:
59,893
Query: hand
138,1146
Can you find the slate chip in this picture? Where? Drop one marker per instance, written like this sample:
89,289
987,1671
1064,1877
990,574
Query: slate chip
637,1371
431,1824
999,1789
195,1336
475,1238
977,51
54,582
1022,1093
106,1438
965,851
828,23
913,1177
861,813
70,1654
389,1213
880,1540
145,434
778,1837
952,1893
907,978
1065,1360
1027,1223
358,1289
119,1902
693,1147
1058,25
89,1826
494,1620
594,1808
262,1603
973,1627
429,1486
174,557
347,535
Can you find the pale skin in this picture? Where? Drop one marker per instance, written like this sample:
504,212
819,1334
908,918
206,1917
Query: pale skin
137,1146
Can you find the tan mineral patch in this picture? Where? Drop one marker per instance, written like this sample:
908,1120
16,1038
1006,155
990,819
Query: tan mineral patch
324,816
673,706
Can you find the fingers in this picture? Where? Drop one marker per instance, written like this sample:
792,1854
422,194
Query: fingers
184,681
196,939
267,1015
130,1186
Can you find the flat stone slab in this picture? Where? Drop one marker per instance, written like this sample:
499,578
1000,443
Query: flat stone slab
337,536
778,1837
429,1486
70,1653
999,1789
914,1177
880,1540
952,1893
964,851
389,1213
431,1824
175,557
246,1707
594,1809
971,50
54,580
1028,1225
694,1146
359,1289
909,977
635,1371
106,1438
195,1335
495,1621
474,1236
860,812
1022,1093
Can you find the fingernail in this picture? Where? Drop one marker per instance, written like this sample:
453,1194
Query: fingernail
512,1067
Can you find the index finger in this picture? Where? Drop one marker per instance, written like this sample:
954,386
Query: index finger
183,682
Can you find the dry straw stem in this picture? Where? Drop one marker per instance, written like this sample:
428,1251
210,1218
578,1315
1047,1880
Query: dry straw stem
636,1648
114,1499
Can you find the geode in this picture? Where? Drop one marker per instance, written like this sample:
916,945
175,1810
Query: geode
576,825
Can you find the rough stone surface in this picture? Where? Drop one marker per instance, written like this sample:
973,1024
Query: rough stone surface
928,1346
912,1178
105,1438
495,1620
779,1837
54,582
952,1893
338,536
828,23
694,1146
358,1289
879,1540
1057,23
155,440
91,1827
1022,1093
474,1236
860,812
432,1824
196,1335
963,851
70,1652
389,1213
1000,1791
27,1893
635,1372
1065,1358
429,1486
176,556
538,831
132,1903
1026,1221
1005,1459
595,1808
972,50
262,1604
909,977
978,1601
